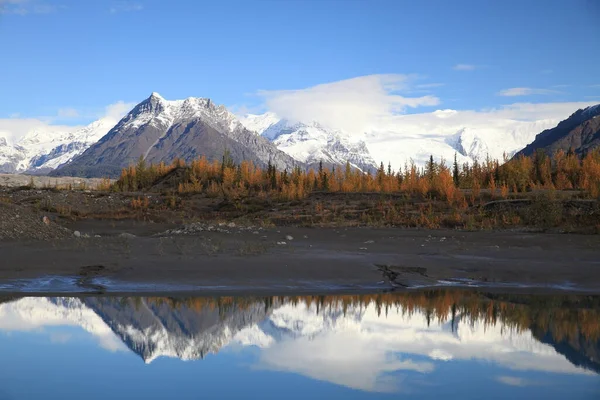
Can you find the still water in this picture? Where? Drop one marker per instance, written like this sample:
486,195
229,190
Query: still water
433,344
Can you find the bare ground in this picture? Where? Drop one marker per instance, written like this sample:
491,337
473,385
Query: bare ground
233,247
350,259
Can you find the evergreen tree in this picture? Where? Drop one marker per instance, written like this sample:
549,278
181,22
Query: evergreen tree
325,182
273,178
227,160
380,174
430,169
456,172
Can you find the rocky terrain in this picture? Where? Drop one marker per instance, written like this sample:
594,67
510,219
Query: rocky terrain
20,223
312,142
161,131
579,133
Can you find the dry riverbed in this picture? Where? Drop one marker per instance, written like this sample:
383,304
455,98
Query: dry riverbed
91,241
227,258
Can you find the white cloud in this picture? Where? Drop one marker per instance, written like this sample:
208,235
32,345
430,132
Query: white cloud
352,104
60,337
366,351
126,6
595,86
492,131
429,85
68,113
464,67
117,110
15,128
525,91
515,381
24,7
51,315
369,109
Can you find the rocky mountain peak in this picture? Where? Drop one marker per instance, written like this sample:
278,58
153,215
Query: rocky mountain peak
161,130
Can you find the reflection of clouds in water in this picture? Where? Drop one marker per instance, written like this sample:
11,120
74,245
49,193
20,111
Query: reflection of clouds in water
364,351
35,313
342,358
60,337
516,381
360,349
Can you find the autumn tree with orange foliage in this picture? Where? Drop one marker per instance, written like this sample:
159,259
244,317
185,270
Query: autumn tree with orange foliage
436,181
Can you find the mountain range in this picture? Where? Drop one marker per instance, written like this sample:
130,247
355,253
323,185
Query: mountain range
41,151
312,142
350,345
161,130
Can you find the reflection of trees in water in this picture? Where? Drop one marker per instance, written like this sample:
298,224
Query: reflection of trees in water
566,317
569,323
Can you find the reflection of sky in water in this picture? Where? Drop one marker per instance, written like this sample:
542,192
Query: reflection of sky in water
64,349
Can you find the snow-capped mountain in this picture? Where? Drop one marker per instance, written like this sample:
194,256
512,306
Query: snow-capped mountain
42,150
162,130
311,142
352,346
415,137
444,133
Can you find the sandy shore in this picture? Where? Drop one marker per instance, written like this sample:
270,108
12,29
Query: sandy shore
289,260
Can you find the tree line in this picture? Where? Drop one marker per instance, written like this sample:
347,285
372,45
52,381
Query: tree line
456,183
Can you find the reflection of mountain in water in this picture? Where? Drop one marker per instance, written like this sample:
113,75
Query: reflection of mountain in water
157,328
317,336
579,350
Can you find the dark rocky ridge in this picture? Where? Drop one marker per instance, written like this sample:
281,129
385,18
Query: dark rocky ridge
580,132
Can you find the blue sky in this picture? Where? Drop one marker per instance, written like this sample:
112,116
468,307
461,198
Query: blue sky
66,60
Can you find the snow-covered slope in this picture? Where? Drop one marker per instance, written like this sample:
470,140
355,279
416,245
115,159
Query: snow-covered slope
311,142
415,137
41,150
445,133
165,113
160,130
158,126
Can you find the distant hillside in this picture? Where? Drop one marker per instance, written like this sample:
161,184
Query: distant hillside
580,132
